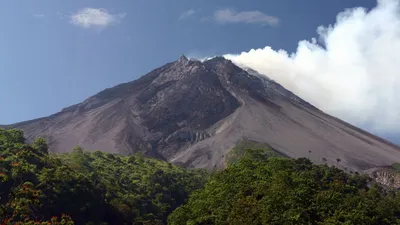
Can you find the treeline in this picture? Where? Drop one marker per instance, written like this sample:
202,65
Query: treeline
258,189
258,186
87,188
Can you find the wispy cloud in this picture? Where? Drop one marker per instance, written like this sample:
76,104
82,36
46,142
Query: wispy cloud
98,18
188,14
38,15
250,17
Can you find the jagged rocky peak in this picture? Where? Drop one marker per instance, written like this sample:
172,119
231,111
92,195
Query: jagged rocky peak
209,63
218,59
183,58
220,63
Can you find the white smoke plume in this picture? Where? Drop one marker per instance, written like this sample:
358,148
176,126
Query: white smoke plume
352,70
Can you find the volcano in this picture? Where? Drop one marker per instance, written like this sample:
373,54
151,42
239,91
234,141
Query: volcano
193,113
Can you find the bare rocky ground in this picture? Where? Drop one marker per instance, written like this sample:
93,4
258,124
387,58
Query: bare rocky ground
192,113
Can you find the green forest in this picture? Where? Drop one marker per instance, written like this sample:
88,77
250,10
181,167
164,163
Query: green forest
258,186
87,188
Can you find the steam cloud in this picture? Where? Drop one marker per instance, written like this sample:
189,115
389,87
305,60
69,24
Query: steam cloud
351,71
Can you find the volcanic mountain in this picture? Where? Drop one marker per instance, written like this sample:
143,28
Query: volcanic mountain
193,113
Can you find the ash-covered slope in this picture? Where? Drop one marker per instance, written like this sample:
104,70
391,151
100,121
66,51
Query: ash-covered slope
192,113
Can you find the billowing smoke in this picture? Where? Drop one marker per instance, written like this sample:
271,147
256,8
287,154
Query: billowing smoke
352,70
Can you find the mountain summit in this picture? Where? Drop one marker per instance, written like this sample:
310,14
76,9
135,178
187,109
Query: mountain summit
192,113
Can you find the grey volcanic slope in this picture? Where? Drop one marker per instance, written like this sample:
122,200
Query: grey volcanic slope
192,113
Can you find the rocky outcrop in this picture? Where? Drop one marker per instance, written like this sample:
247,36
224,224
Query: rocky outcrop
387,177
188,136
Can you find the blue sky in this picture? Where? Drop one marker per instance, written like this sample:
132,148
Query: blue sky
57,53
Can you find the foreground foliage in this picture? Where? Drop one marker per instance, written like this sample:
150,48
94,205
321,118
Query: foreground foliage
244,147
259,186
86,188
262,190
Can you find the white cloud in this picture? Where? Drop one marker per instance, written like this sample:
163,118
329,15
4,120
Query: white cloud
38,15
187,14
91,17
352,73
231,16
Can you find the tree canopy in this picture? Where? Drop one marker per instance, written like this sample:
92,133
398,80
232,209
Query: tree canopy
258,189
87,188
258,186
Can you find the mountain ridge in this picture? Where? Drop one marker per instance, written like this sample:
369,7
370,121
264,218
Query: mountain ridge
192,113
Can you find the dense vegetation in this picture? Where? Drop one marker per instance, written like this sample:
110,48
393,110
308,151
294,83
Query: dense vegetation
258,189
259,186
396,167
86,188
245,146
